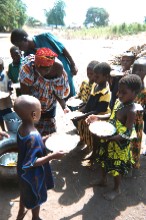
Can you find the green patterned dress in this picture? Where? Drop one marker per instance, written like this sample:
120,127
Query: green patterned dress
116,157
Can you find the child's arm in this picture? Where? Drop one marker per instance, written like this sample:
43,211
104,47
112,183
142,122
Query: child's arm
62,103
42,160
129,124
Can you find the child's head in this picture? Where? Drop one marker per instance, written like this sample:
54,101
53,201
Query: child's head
15,54
129,86
19,39
1,65
127,60
28,108
90,72
101,72
139,67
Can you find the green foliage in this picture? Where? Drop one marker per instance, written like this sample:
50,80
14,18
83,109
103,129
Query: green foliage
108,32
96,17
13,14
56,15
32,22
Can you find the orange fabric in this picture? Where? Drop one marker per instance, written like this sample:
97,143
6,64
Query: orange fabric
45,57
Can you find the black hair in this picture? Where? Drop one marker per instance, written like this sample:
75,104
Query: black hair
13,49
132,81
18,35
92,64
103,68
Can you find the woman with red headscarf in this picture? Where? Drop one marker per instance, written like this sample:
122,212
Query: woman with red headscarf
44,78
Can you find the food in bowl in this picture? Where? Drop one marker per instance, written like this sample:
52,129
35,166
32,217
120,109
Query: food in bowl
9,159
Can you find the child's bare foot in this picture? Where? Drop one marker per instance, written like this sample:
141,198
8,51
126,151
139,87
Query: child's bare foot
112,195
21,215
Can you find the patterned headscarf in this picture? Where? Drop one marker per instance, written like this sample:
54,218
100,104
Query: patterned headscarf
45,57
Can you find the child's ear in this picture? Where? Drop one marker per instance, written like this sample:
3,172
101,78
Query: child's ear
33,115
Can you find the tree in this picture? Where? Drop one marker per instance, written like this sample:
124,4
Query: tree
96,17
32,22
13,14
56,15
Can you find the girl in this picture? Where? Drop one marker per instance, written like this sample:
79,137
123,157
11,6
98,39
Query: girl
98,102
114,152
33,169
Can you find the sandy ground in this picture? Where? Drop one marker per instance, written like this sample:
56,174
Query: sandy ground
72,198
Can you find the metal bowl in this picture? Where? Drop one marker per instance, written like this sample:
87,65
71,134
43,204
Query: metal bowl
8,163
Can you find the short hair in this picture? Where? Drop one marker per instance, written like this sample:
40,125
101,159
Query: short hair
24,105
18,35
132,81
103,68
13,49
92,64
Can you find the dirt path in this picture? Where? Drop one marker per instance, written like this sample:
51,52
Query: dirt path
72,198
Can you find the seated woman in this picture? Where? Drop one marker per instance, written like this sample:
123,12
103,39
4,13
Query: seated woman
98,102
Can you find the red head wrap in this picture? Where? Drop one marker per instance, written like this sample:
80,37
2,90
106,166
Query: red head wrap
45,57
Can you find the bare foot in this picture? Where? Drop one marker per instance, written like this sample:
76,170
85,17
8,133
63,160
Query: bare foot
112,195
21,215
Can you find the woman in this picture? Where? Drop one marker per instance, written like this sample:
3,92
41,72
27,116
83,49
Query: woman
29,45
46,80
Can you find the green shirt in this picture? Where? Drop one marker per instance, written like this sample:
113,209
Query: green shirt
13,72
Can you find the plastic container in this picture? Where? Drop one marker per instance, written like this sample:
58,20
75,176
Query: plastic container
12,121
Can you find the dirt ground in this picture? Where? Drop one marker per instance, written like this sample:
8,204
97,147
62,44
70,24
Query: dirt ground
72,198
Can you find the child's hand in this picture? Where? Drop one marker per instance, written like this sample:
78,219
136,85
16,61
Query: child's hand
66,110
44,138
58,155
4,134
91,118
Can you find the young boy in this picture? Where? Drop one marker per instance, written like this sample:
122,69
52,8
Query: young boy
5,91
34,172
14,67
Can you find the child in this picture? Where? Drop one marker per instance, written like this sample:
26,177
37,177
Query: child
6,102
139,68
14,67
114,154
85,87
98,102
33,167
127,60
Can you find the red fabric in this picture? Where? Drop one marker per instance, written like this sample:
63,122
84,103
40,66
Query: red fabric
45,57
